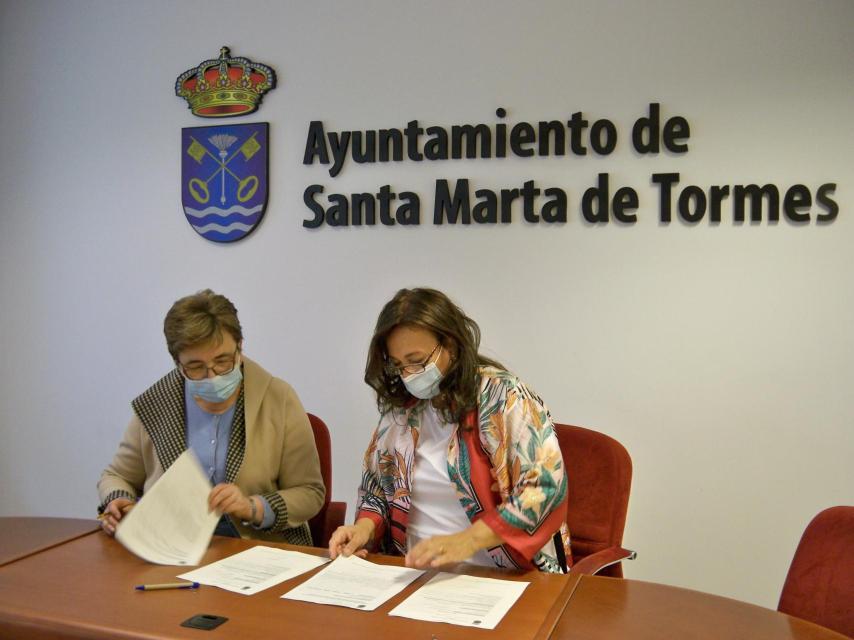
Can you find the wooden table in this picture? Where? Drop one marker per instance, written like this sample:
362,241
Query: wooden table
609,608
21,537
81,586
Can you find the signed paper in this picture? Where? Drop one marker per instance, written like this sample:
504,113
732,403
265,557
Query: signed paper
171,523
255,569
463,600
355,583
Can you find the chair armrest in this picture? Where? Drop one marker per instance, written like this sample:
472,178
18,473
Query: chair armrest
595,562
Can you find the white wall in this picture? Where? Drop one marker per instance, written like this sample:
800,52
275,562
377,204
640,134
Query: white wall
721,356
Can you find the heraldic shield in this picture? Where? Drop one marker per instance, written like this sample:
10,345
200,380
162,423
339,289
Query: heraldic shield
224,179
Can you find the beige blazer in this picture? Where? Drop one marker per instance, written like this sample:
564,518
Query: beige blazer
279,458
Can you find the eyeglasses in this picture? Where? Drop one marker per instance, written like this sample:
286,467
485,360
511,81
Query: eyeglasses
415,367
199,370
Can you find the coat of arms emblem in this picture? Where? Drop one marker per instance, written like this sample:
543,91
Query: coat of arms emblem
224,179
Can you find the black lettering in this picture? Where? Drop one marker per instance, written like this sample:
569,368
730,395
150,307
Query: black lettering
413,131
456,207
520,135
666,180
554,210
529,192
716,196
676,129
339,150
507,198
364,203
470,134
577,124
316,209
547,130
797,197
625,201
647,127
386,196
606,146
369,152
486,210
410,211
821,197
757,196
315,144
594,202
686,212
338,214
500,135
394,139
436,148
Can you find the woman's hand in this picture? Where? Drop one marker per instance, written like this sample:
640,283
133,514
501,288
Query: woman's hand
458,547
113,513
352,539
229,499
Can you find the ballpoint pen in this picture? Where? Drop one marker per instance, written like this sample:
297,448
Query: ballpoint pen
167,585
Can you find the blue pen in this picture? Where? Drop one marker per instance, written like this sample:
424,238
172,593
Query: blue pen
167,585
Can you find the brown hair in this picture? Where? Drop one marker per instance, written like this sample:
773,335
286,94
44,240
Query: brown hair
198,319
431,310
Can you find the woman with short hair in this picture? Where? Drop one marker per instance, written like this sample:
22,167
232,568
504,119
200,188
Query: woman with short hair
247,428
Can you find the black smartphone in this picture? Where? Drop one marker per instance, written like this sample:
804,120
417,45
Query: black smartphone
204,621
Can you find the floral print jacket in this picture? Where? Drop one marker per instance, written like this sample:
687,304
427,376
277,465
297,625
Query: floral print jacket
505,463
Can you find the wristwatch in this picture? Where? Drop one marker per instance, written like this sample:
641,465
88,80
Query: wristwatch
251,521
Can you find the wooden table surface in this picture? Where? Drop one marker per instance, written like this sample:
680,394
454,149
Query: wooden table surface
20,537
66,579
85,588
609,608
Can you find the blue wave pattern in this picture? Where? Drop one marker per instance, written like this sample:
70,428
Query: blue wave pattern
223,225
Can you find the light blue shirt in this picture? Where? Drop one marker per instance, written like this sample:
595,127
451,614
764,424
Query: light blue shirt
208,435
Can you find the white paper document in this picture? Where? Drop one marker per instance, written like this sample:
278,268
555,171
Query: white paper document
255,569
355,583
463,600
171,523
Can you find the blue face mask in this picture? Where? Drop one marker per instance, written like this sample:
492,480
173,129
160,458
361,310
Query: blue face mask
424,385
216,389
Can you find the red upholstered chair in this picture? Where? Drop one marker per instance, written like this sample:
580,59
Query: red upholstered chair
331,514
820,583
599,471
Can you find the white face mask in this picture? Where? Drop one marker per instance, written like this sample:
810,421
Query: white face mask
424,385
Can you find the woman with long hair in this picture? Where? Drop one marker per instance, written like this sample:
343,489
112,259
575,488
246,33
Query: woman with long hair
464,465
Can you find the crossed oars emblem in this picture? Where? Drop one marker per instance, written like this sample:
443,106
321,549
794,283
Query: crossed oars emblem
246,187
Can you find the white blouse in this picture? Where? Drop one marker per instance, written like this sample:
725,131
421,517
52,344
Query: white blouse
435,509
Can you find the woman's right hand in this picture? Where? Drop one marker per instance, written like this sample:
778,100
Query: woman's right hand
351,539
113,513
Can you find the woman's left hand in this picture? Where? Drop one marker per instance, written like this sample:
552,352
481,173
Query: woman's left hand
229,499
458,547
441,550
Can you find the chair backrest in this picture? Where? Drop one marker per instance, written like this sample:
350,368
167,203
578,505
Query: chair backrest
324,451
820,584
599,473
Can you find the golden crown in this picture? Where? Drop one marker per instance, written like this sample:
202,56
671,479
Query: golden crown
225,86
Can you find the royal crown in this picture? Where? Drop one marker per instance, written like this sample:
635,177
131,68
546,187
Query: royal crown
225,86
